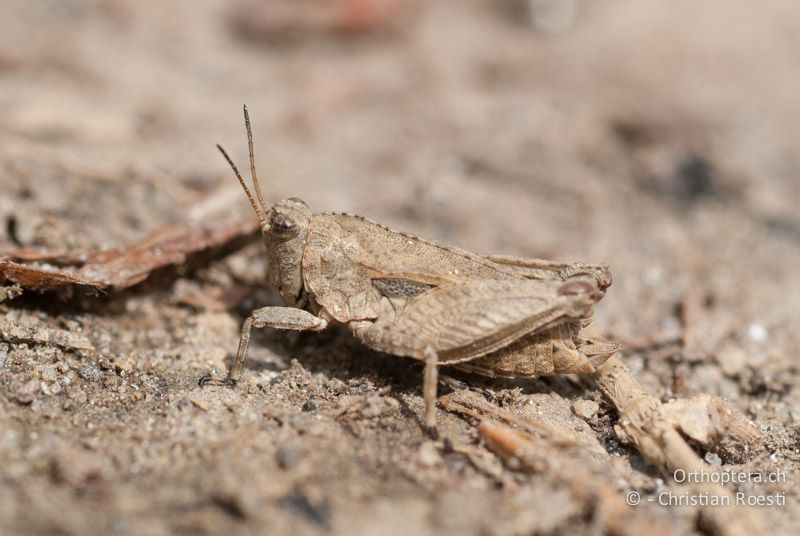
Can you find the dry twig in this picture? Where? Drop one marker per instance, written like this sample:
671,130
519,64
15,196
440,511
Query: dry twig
526,452
655,430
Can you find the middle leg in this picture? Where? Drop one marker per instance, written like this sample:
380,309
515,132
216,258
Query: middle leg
393,338
429,388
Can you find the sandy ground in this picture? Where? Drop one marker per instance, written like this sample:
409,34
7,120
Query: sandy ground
658,137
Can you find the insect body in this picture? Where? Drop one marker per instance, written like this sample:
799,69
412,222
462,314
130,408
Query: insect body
401,294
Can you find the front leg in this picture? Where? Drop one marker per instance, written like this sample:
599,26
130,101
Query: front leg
273,317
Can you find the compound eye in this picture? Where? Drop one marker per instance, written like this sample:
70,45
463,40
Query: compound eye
283,225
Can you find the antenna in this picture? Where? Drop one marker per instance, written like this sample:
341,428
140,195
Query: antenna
260,213
259,195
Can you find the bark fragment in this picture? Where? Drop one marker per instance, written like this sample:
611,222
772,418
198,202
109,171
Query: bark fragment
125,266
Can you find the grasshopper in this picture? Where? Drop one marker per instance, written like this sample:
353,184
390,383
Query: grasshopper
498,316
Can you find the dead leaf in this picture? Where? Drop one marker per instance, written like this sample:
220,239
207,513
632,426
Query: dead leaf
122,267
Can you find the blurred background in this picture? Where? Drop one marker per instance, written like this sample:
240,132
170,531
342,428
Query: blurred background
662,138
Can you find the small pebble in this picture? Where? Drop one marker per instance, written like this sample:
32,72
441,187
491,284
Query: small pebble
124,365
429,454
78,395
89,373
732,361
24,389
288,456
757,332
337,386
653,275
380,406
49,373
312,404
585,409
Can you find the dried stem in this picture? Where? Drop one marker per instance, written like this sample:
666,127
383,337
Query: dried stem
653,429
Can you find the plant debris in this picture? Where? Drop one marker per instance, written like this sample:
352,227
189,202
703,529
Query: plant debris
122,267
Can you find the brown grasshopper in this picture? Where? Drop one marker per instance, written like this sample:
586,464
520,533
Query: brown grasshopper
397,293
